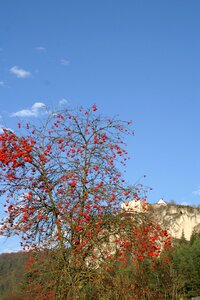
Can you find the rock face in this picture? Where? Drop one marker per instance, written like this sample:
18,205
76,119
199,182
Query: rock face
179,219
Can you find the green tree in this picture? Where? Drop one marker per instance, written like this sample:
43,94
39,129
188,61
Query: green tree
186,262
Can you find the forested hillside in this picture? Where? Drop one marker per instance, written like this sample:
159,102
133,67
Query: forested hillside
180,279
11,273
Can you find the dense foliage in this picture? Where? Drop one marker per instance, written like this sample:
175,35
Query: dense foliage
12,269
186,265
178,280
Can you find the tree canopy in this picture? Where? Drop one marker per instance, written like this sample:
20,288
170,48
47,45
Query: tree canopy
64,186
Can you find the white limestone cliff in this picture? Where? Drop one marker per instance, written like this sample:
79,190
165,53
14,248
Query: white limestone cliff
178,219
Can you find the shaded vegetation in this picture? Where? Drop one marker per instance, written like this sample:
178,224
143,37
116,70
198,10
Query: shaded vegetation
11,274
179,279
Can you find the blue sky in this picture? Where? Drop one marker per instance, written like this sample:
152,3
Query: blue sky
136,59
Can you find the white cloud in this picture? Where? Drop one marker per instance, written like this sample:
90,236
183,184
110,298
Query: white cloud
2,83
62,101
197,192
38,105
64,62
185,203
40,49
10,250
3,127
20,73
36,109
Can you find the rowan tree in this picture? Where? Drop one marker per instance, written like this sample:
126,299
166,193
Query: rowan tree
64,186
